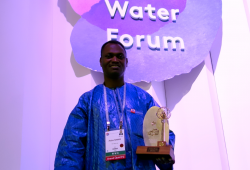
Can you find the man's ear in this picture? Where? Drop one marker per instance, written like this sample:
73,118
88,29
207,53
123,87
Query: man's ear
126,62
100,61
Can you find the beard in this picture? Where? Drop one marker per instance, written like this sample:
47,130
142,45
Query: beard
114,75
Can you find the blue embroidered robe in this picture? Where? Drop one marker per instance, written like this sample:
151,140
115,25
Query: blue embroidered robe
83,142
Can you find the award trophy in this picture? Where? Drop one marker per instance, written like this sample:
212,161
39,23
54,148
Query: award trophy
156,135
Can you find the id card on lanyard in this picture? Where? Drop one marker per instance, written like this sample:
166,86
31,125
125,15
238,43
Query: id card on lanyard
115,139
115,145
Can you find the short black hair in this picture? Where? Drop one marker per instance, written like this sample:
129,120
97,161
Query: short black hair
113,42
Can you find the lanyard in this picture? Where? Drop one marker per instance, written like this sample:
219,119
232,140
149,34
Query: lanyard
120,114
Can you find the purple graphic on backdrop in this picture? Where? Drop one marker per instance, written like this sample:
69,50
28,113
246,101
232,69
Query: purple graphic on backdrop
127,25
164,39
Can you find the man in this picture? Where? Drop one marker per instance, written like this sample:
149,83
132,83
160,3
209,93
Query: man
109,107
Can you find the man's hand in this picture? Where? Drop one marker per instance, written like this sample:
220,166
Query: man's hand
164,160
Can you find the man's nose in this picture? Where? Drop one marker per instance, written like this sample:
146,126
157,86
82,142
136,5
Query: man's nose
114,59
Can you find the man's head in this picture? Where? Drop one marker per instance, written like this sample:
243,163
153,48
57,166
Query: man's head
113,59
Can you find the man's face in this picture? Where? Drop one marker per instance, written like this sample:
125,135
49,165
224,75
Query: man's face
113,61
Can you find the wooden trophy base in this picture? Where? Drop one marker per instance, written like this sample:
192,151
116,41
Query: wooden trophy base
161,150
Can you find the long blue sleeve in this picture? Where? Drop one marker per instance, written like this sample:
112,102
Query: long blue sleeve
71,149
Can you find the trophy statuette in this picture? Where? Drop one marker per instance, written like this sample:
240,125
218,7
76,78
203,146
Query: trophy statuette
156,135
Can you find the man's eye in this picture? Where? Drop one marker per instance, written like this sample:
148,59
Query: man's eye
108,56
120,56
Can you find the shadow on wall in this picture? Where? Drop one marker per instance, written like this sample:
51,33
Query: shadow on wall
142,84
71,16
79,70
216,47
179,86
97,76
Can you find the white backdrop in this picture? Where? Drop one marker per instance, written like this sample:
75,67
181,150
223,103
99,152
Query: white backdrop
41,83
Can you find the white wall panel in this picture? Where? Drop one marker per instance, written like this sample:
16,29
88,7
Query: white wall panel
232,81
26,34
12,52
37,86
188,96
69,79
